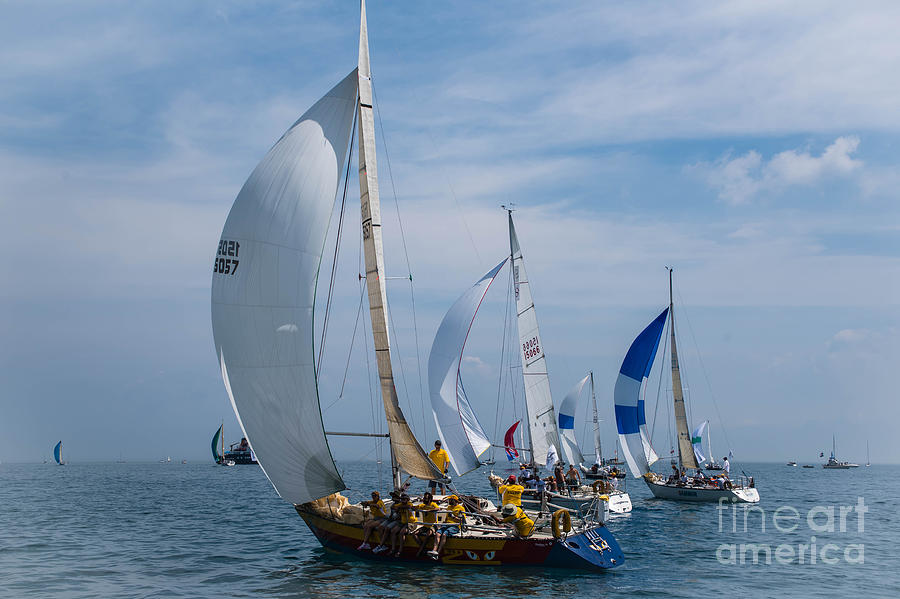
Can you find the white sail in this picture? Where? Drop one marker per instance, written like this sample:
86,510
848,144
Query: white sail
598,448
568,442
407,453
461,434
263,294
538,400
697,442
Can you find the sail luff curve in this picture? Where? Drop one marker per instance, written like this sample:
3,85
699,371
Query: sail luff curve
461,434
263,296
407,453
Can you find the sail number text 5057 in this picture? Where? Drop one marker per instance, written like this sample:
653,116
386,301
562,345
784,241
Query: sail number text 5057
223,264
532,348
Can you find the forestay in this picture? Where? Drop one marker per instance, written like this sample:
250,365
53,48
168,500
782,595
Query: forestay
570,449
263,294
630,417
461,434
538,400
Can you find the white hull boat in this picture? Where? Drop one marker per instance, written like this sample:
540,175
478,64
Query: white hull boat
742,494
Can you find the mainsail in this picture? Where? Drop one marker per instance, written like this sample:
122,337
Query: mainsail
686,457
630,417
538,401
570,449
598,451
263,295
461,434
408,455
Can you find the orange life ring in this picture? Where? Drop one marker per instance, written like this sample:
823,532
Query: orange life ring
566,522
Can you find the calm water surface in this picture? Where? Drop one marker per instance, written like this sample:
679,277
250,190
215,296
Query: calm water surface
198,530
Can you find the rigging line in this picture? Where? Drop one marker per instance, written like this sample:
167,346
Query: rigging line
659,381
387,157
703,370
350,353
500,373
456,203
337,245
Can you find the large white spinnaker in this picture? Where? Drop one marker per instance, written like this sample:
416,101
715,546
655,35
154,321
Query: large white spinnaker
263,294
461,434
571,451
629,404
538,400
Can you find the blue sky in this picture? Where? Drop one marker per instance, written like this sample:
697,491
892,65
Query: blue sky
752,145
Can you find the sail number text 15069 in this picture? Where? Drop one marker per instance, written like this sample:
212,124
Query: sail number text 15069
225,265
531,348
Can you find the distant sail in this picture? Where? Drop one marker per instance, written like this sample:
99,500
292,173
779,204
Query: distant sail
461,434
57,451
697,442
629,406
571,451
509,442
215,444
263,294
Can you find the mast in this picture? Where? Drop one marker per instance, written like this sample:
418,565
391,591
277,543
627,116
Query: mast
406,453
686,457
598,453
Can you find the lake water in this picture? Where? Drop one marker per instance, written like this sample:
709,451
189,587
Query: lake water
199,530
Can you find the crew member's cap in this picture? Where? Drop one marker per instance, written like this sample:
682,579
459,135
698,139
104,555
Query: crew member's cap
511,479
509,510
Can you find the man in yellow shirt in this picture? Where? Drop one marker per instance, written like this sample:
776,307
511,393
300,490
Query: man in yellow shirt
429,510
511,492
455,518
516,515
406,511
376,509
441,460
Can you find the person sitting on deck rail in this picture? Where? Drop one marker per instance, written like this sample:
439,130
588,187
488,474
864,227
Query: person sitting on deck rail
516,516
511,492
405,510
455,518
428,529
376,508
441,460
387,526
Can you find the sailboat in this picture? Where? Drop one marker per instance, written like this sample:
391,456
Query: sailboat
835,464
263,295
57,454
632,424
868,463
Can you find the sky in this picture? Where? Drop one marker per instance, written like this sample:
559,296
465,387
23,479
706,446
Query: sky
753,146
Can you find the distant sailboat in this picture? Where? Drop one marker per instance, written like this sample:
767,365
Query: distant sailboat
834,464
632,424
868,463
218,445
57,454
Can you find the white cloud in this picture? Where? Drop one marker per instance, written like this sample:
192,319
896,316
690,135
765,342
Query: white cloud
739,180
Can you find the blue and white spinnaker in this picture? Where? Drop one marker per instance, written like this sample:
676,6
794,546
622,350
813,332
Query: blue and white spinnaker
630,419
